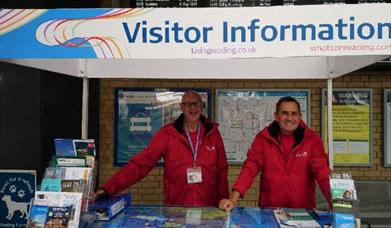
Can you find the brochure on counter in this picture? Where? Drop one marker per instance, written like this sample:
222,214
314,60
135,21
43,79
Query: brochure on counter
293,217
108,208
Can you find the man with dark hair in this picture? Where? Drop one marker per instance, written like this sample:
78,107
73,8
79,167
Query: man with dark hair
290,158
195,163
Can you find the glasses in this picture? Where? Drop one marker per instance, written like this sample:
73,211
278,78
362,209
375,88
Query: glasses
197,104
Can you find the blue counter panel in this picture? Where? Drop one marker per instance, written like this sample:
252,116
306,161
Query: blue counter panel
158,216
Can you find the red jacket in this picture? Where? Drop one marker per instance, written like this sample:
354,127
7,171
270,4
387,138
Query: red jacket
286,180
172,144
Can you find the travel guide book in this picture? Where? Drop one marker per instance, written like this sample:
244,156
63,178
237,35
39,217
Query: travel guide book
37,217
84,147
64,147
62,199
344,194
75,147
49,216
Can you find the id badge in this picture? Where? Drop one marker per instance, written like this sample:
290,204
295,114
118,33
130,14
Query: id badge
194,175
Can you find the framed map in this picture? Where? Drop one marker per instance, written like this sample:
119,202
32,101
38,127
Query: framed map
387,127
352,126
241,114
140,113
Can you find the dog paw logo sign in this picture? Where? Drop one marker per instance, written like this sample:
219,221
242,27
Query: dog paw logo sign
17,190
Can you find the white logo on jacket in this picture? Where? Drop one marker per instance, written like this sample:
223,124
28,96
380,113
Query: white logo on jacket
210,148
302,154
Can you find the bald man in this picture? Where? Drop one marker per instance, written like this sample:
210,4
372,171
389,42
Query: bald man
195,163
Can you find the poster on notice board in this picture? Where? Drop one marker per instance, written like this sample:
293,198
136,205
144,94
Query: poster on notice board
352,126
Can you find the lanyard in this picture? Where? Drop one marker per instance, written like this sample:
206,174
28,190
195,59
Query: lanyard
195,148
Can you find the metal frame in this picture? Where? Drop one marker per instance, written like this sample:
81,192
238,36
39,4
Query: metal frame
386,129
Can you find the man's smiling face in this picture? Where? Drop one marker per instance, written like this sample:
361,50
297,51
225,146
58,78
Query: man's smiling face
288,116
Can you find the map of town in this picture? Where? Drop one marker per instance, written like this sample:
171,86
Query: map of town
243,113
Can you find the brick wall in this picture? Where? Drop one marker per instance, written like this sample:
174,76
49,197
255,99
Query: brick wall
149,190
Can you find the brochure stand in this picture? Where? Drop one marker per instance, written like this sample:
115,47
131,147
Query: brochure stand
346,206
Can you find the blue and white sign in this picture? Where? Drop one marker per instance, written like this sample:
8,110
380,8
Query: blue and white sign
171,33
17,189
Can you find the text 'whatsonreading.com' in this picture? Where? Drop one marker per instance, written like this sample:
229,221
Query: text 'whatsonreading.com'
354,47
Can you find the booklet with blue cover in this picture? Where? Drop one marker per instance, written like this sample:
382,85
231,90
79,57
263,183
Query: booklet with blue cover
38,215
64,147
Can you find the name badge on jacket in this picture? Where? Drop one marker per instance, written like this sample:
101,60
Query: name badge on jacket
194,175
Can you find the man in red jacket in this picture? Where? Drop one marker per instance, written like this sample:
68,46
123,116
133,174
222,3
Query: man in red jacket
291,159
195,163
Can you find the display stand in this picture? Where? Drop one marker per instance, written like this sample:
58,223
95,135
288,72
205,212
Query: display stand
346,206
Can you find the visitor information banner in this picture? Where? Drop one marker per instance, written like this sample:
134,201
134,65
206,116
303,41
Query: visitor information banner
180,33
